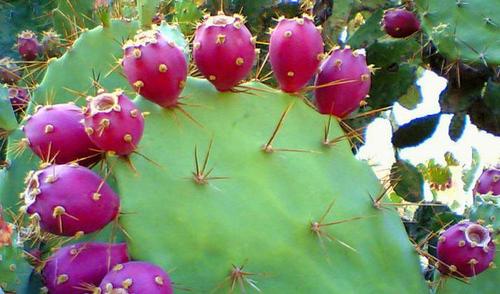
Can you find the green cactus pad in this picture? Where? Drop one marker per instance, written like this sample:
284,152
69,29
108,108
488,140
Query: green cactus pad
256,209
486,211
262,212
69,16
368,32
8,120
146,10
486,282
187,14
463,29
14,269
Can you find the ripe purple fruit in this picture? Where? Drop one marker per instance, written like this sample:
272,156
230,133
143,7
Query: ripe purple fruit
488,182
342,82
155,67
224,50
113,122
28,45
69,199
55,133
295,52
75,268
19,98
400,23
136,277
466,249
10,73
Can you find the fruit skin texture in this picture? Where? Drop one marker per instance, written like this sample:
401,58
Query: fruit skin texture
137,277
224,50
400,23
155,67
28,45
10,73
73,266
488,182
55,132
466,246
68,199
342,65
295,52
113,122
19,98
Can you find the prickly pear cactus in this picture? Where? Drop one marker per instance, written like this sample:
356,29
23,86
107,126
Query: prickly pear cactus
251,189
462,30
249,194
486,210
232,214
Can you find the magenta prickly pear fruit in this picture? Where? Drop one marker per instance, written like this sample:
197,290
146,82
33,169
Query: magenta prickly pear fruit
488,182
28,45
224,50
75,268
69,199
10,73
400,23
113,122
295,52
155,67
466,249
136,277
56,133
19,98
342,82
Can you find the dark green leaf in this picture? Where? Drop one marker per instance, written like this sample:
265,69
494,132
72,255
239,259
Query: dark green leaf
425,218
386,53
416,131
339,19
395,74
367,33
453,100
465,85
457,126
484,117
412,98
407,181
389,84
492,96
